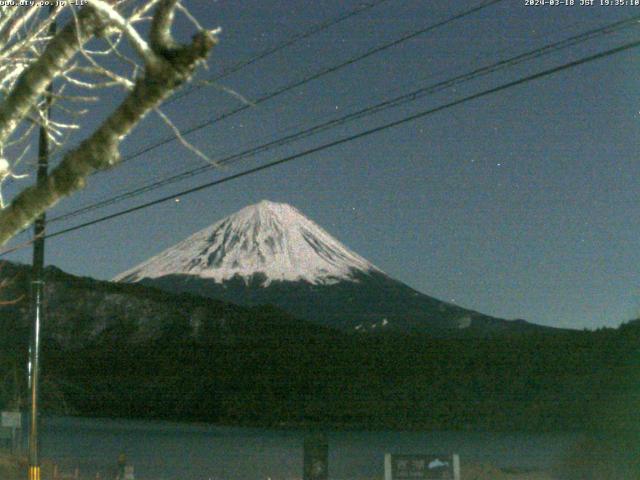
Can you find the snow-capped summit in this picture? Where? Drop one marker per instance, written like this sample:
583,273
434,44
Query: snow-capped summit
271,254
268,238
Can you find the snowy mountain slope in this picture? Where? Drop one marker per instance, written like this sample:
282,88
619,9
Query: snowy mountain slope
271,239
269,253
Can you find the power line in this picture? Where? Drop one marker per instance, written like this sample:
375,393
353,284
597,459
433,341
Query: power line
350,138
270,51
391,103
281,46
314,76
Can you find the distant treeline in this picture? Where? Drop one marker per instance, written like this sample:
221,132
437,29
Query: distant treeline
271,370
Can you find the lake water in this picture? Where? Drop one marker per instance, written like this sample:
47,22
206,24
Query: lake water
172,451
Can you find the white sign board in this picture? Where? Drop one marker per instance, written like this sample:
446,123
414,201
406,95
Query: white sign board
421,467
11,419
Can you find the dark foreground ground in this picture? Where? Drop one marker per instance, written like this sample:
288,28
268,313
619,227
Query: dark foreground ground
13,468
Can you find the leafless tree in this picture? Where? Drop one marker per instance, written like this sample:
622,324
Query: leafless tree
98,46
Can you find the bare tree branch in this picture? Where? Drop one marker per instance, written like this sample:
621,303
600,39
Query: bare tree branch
170,65
109,14
33,81
184,141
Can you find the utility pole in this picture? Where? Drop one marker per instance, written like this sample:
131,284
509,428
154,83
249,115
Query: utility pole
37,284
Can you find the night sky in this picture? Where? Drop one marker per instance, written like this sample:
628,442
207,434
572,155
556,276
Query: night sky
521,204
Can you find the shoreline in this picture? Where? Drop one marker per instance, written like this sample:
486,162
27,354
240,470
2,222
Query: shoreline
15,468
311,427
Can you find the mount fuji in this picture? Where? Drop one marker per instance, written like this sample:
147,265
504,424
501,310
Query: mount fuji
273,240
270,253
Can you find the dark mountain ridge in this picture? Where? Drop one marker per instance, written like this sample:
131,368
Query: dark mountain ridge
133,351
81,309
372,302
270,253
